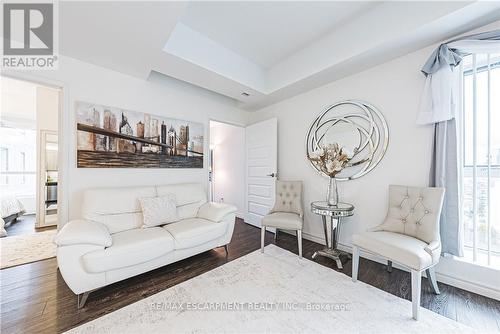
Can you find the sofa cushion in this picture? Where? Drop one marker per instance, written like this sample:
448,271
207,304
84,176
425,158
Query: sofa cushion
130,248
192,232
400,248
116,208
283,220
189,197
158,210
215,211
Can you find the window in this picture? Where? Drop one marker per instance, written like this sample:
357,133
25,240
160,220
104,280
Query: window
18,161
481,158
23,166
4,164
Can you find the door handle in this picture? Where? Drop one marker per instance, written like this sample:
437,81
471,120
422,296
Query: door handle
273,175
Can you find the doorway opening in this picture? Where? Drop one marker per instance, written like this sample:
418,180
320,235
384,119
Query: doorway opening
29,156
227,164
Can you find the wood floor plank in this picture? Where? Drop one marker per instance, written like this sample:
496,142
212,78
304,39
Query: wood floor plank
35,299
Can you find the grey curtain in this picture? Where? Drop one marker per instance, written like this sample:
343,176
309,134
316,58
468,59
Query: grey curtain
444,173
447,55
439,105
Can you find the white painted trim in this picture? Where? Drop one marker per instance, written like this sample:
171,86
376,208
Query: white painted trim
480,289
64,135
458,282
310,237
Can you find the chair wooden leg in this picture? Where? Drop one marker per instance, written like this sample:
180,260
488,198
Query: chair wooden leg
262,238
389,266
431,277
299,241
416,283
355,263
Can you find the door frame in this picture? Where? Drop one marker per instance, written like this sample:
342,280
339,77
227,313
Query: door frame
240,125
41,190
64,130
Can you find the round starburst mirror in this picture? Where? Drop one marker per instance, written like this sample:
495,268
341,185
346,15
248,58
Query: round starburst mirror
359,128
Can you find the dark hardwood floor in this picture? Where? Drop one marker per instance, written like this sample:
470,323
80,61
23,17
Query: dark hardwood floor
35,299
25,224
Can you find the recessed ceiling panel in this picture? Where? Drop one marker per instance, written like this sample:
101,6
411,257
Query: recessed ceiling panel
267,31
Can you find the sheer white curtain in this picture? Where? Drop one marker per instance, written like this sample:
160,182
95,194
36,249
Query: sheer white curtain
439,105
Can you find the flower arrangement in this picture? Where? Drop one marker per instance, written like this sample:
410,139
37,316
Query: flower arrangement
331,159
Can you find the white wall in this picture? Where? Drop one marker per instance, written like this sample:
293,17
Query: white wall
229,164
395,88
47,108
86,82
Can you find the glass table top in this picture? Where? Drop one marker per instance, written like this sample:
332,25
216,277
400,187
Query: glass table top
323,205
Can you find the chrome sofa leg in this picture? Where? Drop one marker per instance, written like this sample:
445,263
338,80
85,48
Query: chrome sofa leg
431,277
389,266
82,299
276,235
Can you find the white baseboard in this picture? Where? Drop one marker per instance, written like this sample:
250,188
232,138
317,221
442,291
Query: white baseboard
469,286
445,278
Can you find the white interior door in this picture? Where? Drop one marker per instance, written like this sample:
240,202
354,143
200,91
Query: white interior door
261,169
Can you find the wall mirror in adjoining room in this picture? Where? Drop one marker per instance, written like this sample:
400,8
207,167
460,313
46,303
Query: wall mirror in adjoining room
48,178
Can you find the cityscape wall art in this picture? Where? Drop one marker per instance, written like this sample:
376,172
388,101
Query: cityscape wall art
109,137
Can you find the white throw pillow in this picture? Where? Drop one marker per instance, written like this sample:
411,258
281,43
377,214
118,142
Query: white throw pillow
158,210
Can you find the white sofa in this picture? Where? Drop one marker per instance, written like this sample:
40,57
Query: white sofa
110,244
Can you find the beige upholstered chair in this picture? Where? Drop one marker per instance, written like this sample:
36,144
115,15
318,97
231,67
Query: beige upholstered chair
409,236
287,213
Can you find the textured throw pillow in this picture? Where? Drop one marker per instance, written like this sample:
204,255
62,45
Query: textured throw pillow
158,210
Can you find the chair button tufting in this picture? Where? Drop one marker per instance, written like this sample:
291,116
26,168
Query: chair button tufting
403,220
426,211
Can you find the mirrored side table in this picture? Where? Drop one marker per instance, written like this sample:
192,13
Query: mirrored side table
332,214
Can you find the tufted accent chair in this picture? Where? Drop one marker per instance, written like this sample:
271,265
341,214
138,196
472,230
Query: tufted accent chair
409,236
287,213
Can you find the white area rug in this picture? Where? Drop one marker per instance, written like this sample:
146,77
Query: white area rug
266,282
21,249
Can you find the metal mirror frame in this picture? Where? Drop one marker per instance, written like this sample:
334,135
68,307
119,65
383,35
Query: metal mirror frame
376,131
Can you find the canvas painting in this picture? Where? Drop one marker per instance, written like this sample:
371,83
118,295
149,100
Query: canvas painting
109,137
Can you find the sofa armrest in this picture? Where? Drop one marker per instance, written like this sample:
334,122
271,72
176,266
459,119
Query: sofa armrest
79,232
215,211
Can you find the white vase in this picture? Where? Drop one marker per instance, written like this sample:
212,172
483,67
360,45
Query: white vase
332,197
